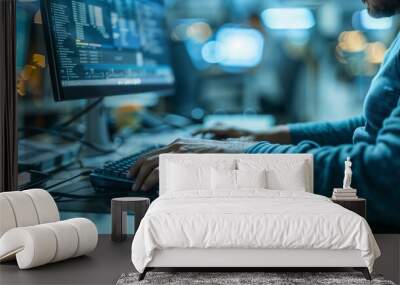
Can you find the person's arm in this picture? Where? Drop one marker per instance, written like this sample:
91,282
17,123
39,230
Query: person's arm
376,169
326,133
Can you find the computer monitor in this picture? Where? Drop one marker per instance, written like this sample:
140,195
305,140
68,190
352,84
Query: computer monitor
102,48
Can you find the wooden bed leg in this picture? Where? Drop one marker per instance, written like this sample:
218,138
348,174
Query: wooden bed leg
143,274
364,271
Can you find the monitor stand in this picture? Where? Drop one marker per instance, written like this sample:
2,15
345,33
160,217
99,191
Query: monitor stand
96,131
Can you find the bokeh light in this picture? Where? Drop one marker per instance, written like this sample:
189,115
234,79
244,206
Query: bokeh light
288,18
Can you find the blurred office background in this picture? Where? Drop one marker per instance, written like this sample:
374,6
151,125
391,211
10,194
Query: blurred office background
298,60
248,63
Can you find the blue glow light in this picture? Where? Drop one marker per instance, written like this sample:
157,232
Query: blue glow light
211,52
288,18
371,23
240,47
235,47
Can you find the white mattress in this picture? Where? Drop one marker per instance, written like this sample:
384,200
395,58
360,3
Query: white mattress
253,219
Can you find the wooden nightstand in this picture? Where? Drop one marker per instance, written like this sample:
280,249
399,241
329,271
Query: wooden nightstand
357,205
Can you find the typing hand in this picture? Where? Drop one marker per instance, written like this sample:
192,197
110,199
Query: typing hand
221,132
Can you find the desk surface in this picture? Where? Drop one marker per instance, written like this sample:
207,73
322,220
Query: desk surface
102,266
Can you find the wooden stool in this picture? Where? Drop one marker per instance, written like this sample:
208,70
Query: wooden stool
119,208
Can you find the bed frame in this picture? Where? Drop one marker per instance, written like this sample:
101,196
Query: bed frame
242,259
259,259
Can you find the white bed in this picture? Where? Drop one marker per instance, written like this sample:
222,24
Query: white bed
248,227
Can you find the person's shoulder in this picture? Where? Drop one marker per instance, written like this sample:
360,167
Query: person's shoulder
391,61
393,52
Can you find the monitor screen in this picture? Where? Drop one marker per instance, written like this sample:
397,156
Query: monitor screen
106,47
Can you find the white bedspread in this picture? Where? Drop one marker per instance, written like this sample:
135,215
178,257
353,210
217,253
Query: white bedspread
250,219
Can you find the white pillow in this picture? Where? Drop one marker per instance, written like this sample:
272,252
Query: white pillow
226,179
223,179
182,177
251,179
282,174
191,174
291,179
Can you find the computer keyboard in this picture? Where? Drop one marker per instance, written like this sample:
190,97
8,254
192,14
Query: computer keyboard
112,177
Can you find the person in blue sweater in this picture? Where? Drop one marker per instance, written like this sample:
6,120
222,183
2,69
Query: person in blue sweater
371,140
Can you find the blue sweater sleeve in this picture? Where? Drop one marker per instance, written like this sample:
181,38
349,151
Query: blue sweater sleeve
326,133
376,170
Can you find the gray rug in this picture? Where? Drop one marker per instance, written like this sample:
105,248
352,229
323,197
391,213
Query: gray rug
243,278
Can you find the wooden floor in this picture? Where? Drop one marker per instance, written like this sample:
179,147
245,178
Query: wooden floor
111,259
103,266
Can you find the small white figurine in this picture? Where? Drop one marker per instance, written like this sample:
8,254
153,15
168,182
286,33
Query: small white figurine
347,174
